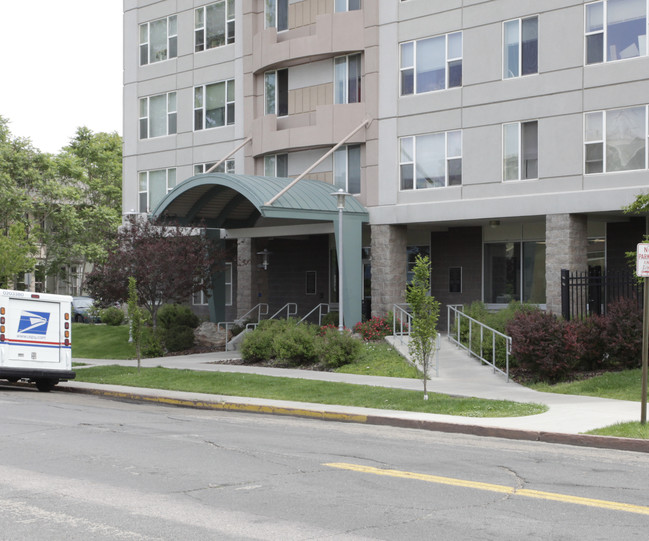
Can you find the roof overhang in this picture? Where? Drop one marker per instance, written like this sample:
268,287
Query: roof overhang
228,201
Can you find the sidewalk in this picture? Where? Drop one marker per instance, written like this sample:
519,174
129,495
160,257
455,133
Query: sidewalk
459,375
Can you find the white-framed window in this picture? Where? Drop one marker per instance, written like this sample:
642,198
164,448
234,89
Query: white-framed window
214,25
432,160
346,5
520,150
411,257
226,167
158,115
347,79
153,186
520,47
615,30
158,40
276,12
431,64
276,92
347,168
615,140
276,165
214,105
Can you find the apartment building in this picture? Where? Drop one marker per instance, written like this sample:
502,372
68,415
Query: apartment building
501,138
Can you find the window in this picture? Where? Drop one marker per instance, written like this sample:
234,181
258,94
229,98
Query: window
347,79
615,140
412,253
214,25
158,40
276,165
431,161
455,279
615,30
276,96
201,298
431,64
520,150
347,168
226,167
520,47
153,186
214,105
510,277
311,281
347,5
158,115
277,14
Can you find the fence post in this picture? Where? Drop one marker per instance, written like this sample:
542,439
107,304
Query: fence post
565,294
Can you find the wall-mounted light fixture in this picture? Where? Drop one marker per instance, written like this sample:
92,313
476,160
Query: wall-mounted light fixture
264,262
494,223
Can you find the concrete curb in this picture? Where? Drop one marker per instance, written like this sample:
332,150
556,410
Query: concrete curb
582,440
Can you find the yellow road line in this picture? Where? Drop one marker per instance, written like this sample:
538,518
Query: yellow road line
503,489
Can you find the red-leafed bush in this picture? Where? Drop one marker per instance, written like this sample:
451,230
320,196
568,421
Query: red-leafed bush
591,342
543,345
623,333
376,328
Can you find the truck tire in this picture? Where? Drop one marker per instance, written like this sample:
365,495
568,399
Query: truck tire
46,385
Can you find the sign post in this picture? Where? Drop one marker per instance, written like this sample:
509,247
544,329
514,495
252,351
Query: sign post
642,270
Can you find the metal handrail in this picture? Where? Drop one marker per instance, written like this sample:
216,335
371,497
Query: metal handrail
459,316
319,308
291,310
401,322
262,310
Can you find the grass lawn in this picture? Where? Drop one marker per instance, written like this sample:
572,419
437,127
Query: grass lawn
624,430
101,342
380,359
302,390
625,385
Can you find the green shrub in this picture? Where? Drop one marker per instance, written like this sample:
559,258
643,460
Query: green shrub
294,344
258,344
336,349
152,344
112,316
174,315
179,338
330,318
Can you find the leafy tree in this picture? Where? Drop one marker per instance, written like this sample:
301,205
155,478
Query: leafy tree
17,254
425,313
169,263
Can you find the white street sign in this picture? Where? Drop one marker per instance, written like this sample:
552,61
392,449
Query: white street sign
642,260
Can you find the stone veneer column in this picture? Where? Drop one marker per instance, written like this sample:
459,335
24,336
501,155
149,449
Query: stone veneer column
566,244
389,266
245,264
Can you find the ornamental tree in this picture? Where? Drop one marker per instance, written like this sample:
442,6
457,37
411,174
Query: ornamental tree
168,262
425,313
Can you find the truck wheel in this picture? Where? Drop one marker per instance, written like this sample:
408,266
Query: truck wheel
46,385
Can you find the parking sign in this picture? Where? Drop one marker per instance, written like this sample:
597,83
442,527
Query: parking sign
642,260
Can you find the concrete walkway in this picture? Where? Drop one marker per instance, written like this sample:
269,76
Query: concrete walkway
459,375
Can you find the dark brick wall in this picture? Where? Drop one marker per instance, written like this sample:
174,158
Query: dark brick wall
457,247
289,261
622,237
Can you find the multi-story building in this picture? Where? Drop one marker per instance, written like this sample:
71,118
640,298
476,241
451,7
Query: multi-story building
501,138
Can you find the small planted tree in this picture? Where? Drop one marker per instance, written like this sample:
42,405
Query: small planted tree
425,313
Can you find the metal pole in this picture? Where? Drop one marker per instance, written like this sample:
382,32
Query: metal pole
340,270
365,123
645,350
228,155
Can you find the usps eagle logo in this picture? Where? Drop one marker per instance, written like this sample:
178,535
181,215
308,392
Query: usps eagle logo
33,322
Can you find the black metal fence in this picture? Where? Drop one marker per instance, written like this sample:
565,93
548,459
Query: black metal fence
588,293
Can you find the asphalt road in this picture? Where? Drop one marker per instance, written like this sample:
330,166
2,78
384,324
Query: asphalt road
80,467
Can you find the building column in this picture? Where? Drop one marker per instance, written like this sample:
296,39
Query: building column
389,267
245,264
566,245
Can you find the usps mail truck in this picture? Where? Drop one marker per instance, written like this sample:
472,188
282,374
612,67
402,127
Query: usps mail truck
35,338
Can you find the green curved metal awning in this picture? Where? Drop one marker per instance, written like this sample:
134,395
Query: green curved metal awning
228,201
